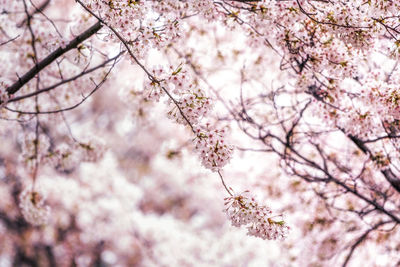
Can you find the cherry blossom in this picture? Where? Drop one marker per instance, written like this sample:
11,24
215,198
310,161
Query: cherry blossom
244,210
212,148
33,208
112,105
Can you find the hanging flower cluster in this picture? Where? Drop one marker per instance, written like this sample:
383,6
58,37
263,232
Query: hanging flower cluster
212,148
33,207
243,210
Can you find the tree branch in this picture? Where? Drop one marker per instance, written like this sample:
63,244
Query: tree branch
50,58
37,10
387,173
18,98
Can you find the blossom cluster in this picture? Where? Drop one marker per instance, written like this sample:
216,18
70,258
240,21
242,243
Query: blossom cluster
214,152
244,210
375,110
137,25
91,150
66,156
194,104
33,208
163,79
34,148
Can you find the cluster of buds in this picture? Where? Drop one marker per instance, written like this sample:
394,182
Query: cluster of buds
33,207
243,210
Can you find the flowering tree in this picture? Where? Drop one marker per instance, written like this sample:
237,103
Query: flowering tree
304,91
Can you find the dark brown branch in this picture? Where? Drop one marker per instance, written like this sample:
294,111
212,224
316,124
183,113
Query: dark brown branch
65,80
53,56
331,178
97,86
